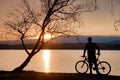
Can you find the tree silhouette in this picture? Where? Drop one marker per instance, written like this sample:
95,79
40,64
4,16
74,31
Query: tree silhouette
115,11
35,18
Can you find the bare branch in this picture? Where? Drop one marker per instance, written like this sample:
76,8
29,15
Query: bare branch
53,16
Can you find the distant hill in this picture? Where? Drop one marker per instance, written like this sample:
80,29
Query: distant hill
73,42
114,42
72,39
103,46
83,39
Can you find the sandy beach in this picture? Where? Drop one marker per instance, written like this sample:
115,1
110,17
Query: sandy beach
31,75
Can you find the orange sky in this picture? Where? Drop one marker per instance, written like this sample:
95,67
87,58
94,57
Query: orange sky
99,22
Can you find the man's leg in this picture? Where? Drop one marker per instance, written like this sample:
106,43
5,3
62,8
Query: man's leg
90,66
96,66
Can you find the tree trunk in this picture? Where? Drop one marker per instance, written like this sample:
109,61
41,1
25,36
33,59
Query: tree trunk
22,66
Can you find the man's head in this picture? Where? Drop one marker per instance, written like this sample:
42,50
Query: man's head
89,39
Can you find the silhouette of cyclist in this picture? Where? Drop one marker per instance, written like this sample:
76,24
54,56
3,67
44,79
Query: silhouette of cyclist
91,53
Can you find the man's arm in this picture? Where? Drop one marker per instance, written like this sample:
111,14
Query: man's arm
98,48
84,51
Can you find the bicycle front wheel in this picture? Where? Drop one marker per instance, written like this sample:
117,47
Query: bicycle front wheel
81,67
104,67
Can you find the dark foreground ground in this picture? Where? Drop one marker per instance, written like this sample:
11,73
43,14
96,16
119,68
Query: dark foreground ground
29,75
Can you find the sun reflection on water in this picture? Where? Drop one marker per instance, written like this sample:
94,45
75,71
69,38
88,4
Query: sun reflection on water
46,58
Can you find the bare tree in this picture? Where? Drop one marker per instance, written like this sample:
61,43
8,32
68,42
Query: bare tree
41,16
115,11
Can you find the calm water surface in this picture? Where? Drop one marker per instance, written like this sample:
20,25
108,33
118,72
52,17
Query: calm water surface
55,60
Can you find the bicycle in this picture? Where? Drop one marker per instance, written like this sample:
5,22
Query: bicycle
82,66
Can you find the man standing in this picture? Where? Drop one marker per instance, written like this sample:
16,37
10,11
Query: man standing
91,53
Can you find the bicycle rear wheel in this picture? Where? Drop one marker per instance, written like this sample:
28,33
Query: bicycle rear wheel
104,67
81,67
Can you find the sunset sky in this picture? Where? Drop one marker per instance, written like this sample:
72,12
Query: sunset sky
99,22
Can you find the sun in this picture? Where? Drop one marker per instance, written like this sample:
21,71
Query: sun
47,36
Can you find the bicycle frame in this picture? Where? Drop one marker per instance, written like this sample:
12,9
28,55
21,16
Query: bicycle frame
98,63
86,59
103,66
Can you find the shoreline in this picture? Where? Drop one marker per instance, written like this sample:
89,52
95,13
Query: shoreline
31,75
62,46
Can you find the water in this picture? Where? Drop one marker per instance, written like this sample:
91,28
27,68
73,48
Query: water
55,60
